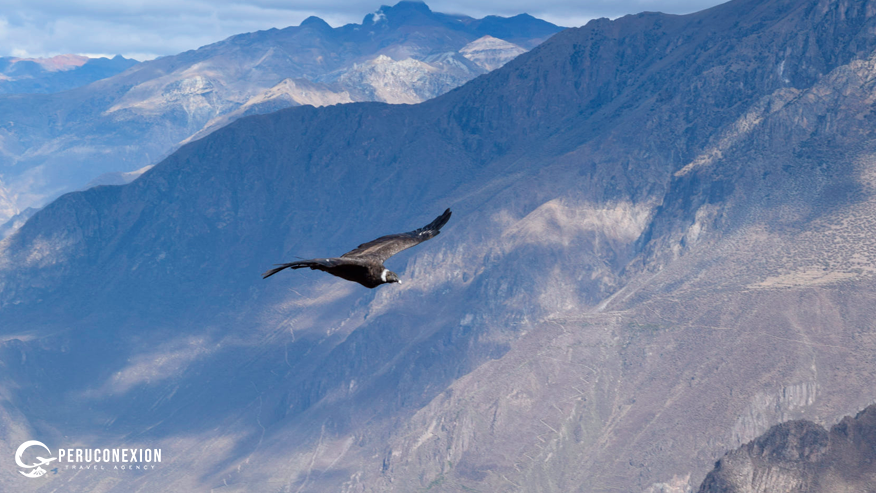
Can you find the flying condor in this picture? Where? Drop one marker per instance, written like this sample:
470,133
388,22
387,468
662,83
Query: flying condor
365,264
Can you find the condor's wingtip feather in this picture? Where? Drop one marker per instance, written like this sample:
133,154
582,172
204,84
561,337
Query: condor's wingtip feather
440,221
293,265
273,271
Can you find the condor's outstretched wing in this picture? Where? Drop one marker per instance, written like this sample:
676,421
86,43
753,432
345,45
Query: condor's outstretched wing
386,246
330,265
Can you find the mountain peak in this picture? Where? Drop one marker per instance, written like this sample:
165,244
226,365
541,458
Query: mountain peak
315,23
404,11
413,5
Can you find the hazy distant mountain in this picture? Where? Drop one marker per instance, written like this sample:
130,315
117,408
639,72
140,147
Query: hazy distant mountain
15,222
403,54
802,456
661,247
56,74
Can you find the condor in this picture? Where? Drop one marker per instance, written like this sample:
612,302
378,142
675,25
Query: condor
365,264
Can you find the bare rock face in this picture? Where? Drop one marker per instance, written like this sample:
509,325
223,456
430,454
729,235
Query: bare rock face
407,81
800,456
490,53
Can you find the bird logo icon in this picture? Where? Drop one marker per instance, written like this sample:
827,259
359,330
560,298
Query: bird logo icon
37,471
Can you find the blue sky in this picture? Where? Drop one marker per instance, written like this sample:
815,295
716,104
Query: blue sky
144,29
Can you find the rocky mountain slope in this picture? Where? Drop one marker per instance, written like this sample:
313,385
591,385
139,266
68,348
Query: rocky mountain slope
51,144
661,247
56,74
802,456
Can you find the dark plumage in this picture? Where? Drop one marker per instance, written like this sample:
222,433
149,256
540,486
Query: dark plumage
365,264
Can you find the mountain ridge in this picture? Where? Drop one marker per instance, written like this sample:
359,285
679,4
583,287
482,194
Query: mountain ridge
58,73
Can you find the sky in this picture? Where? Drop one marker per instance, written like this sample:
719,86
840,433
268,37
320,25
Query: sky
145,29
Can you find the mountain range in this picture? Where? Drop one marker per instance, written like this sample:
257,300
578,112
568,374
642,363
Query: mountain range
54,143
56,74
661,247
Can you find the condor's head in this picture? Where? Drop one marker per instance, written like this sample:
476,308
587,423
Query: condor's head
389,276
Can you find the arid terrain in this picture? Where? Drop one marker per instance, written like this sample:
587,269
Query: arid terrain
662,246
